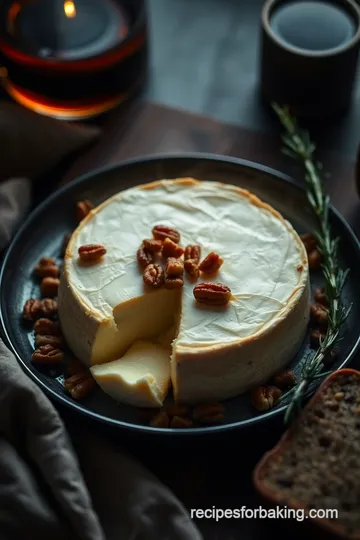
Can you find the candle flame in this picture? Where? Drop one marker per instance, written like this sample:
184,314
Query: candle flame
69,8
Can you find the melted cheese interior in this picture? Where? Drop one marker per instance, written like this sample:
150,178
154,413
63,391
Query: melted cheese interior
141,377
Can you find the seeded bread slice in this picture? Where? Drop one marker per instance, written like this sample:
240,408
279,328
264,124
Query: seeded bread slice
316,464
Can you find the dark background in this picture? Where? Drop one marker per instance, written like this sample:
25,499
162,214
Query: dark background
204,58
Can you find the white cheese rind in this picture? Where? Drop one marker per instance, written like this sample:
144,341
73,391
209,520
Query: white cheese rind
104,308
225,372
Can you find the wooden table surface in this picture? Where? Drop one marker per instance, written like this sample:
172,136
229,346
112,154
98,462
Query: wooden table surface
202,96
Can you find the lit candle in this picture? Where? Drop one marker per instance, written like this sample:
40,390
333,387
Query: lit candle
70,29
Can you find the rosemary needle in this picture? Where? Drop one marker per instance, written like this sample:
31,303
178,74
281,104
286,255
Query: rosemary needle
298,145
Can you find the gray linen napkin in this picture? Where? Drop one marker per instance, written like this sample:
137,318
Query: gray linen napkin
45,485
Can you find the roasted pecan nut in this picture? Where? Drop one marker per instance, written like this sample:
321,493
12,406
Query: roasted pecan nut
48,307
91,252
315,259
264,398
284,380
47,267
160,420
178,410
330,358
192,268
153,276
174,283
152,246
171,249
79,385
144,257
161,232
211,263
73,366
192,252
76,378
213,294
47,327
179,422
56,342
82,209
212,420
49,286
32,309
316,336
209,413
46,354
319,315
309,242
320,297
174,268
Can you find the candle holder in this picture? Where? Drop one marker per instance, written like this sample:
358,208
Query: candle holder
73,59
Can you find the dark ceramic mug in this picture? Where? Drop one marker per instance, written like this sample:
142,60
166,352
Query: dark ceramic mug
313,83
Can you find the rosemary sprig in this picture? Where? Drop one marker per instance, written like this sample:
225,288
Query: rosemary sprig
298,145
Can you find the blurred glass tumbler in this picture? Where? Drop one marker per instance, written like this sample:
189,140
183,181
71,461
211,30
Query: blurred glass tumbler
72,59
309,55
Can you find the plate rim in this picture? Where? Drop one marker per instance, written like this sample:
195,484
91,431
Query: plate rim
82,179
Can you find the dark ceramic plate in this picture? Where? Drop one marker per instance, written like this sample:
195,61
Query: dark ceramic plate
42,235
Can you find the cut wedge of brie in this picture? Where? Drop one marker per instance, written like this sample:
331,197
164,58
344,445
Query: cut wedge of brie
218,352
141,377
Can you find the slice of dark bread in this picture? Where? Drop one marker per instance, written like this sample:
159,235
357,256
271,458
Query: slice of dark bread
316,464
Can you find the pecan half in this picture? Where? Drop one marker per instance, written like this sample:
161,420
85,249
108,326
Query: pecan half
193,252
179,422
161,232
174,283
83,208
192,268
213,294
48,307
160,420
47,327
319,314
264,398
178,410
316,336
153,275
152,246
73,366
309,242
284,380
315,259
49,286
209,413
91,252
79,385
32,309
211,263
171,249
47,267
46,354
320,297
144,257
56,342
174,268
